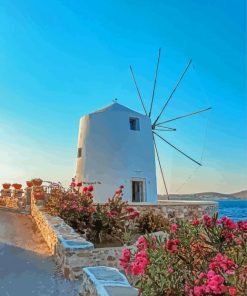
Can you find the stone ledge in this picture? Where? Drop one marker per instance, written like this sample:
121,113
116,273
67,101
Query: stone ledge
72,252
105,281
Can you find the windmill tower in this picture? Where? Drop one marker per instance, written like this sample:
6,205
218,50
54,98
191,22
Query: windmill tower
117,145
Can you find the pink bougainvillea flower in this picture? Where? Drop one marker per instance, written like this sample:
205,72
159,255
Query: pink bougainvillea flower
79,184
85,189
121,187
174,228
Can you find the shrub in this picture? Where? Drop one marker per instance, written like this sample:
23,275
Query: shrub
152,222
114,220
205,257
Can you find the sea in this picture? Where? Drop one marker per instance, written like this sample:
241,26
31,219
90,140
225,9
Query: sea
234,209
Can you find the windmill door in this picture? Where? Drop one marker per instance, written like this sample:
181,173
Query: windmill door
138,190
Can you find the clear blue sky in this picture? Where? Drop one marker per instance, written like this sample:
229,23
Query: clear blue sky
62,59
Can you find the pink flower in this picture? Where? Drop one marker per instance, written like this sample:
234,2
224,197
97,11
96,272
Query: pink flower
227,235
121,187
221,262
215,284
140,263
79,184
172,245
118,192
242,225
142,243
170,269
207,221
228,223
232,291
174,228
124,260
133,215
199,290
111,214
90,188
72,184
195,222
130,210
85,189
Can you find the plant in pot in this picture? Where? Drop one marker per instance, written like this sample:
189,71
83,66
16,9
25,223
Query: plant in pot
17,186
37,182
6,185
29,184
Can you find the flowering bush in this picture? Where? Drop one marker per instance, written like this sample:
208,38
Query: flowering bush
205,257
74,205
114,220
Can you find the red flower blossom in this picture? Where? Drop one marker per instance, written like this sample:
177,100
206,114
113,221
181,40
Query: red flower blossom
85,189
232,291
111,214
207,221
195,222
121,187
174,228
140,263
142,243
228,223
133,215
242,225
118,192
90,188
124,260
72,184
172,245
221,262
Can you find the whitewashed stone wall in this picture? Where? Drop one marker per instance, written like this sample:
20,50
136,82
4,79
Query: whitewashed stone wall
105,281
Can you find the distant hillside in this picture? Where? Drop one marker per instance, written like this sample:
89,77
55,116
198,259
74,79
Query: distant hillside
241,194
207,196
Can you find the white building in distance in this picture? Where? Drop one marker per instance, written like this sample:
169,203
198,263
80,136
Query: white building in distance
115,147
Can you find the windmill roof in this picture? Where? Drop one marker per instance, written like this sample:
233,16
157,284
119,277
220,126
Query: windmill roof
116,107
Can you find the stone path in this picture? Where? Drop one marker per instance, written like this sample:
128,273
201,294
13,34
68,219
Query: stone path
26,267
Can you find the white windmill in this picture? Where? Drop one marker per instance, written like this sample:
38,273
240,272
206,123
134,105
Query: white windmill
117,145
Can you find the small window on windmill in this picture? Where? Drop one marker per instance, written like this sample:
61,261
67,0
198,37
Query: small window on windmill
134,124
79,152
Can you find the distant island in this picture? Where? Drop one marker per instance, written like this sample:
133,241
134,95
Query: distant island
242,195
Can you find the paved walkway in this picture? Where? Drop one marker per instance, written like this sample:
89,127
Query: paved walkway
26,267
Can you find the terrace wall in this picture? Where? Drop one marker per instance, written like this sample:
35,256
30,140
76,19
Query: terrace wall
72,252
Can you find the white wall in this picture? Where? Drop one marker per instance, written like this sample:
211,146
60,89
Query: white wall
112,154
